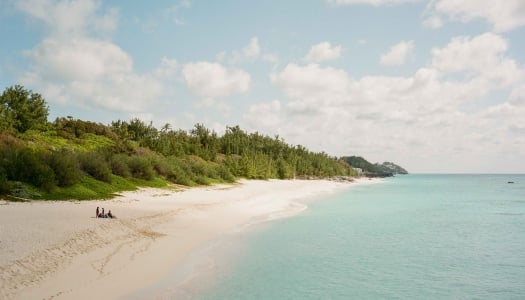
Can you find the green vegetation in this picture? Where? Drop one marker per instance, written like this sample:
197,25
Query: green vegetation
75,159
368,169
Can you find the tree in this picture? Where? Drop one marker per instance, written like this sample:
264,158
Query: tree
22,109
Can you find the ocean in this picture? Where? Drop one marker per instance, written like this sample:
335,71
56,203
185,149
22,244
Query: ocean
409,237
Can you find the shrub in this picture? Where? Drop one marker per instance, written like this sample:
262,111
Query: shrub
119,165
225,174
5,185
162,166
95,165
180,173
22,191
31,167
66,166
202,180
140,168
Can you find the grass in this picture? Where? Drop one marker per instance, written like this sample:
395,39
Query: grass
89,188
50,139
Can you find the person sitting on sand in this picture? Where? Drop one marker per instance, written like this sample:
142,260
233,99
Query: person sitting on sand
110,215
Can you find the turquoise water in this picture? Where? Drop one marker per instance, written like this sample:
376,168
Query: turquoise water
411,237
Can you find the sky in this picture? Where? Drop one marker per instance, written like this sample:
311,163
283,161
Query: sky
435,86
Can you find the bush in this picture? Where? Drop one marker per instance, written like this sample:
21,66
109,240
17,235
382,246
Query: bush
162,166
20,190
180,173
66,166
202,180
31,167
140,168
5,185
119,165
95,165
225,173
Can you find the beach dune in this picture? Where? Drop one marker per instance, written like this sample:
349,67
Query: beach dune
59,250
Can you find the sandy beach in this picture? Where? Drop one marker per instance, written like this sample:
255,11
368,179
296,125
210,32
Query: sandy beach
59,250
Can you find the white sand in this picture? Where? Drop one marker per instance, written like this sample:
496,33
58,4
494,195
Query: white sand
59,250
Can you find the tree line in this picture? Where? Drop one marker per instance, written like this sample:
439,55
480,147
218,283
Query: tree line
40,156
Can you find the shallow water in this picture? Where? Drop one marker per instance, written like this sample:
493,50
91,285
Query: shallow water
414,236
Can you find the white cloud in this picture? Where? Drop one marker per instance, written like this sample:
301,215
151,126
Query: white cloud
271,112
436,116
72,67
79,59
167,69
69,17
502,15
107,22
517,96
311,86
174,13
483,54
185,3
252,50
433,22
248,53
271,58
370,2
212,80
322,52
89,73
398,53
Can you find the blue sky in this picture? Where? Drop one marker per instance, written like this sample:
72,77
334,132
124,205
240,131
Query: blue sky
436,86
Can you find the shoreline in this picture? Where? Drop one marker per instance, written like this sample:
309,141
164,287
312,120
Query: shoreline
60,250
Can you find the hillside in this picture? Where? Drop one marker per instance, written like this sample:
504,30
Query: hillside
76,159
386,169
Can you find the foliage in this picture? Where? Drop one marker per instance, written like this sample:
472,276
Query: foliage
5,185
119,165
91,188
29,166
386,169
395,169
71,158
95,164
22,191
140,167
66,166
21,109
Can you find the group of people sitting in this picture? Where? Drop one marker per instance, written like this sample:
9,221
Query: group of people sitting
101,214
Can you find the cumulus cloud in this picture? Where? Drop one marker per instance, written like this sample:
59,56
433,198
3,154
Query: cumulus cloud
212,80
517,96
79,59
483,54
502,15
398,53
322,52
252,50
370,2
433,22
271,112
272,58
74,67
312,86
69,17
90,73
437,116
167,69
248,53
